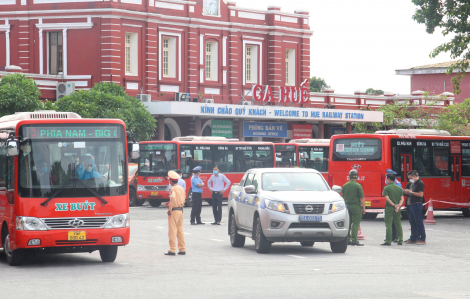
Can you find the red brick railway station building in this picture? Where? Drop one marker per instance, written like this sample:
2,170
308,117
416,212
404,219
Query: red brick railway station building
195,63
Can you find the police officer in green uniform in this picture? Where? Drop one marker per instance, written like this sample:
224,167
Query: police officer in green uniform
354,198
393,201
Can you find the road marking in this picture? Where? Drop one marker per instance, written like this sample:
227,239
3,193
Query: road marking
187,233
316,269
159,227
217,240
296,256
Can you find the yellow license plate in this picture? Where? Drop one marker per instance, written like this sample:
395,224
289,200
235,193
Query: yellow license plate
368,204
154,194
77,236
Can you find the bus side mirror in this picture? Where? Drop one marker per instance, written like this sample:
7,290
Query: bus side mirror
13,148
134,151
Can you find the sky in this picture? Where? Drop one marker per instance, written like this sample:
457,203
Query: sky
358,44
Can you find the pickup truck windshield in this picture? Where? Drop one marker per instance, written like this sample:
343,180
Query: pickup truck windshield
293,182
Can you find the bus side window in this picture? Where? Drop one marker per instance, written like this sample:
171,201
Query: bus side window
422,160
3,167
10,179
465,162
186,163
223,157
396,160
440,161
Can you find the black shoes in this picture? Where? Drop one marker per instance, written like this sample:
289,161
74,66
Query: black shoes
214,223
200,223
218,223
192,223
357,244
182,253
170,253
385,244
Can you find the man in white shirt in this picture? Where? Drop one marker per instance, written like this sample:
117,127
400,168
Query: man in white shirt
218,184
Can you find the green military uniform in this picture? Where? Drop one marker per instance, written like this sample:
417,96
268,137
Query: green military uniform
394,193
352,194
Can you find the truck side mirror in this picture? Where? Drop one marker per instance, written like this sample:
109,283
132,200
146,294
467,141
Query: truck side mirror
13,148
337,189
250,189
133,150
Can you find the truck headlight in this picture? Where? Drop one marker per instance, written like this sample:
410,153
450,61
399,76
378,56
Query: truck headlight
277,206
29,223
140,188
337,206
118,221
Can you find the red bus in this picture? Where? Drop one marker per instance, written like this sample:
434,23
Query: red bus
63,184
233,157
443,163
304,153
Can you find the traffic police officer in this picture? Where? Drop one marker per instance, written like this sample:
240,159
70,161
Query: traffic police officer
196,188
354,198
175,215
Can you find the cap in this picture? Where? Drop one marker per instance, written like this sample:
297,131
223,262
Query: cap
173,176
197,168
389,171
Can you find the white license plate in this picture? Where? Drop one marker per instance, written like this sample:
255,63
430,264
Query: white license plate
310,218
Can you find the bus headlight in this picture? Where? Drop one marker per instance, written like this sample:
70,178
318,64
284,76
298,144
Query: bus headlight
29,223
140,188
337,206
117,221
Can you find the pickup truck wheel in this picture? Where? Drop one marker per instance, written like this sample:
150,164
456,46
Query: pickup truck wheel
14,257
339,247
108,253
262,245
307,243
132,197
155,203
235,239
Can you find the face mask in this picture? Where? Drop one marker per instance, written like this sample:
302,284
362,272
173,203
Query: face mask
412,181
215,171
77,163
44,169
89,169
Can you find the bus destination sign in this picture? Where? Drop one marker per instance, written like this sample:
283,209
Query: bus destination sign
88,132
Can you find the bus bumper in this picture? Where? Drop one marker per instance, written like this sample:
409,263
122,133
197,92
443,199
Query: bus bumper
59,238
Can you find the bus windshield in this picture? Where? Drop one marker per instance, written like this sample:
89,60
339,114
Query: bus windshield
357,149
157,159
314,157
71,159
286,156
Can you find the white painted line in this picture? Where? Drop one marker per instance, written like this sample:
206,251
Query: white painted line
316,269
187,233
123,263
296,256
217,240
159,227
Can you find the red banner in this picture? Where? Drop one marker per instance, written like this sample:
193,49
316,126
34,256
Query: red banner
302,131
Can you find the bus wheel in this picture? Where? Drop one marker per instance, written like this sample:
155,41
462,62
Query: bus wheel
14,257
108,253
369,216
189,201
155,203
466,211
132,197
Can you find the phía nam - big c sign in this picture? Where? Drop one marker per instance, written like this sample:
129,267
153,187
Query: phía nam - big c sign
286,94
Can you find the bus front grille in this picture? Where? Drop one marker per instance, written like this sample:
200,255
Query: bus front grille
81,242
75,223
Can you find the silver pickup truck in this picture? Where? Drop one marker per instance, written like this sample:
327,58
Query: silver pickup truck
287,205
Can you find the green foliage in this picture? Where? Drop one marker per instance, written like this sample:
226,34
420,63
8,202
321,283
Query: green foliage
452,16
18,94
109,100
317,84
374,91
455,119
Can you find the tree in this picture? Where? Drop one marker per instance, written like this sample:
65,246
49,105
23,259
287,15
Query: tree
18,94
317,84
374,91
109,100
452,16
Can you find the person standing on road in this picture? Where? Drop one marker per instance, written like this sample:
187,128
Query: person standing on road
416,193
354,197
394,229
175,215
218,183
181,182
393,201
196,188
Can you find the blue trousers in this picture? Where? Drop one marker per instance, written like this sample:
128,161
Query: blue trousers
417,224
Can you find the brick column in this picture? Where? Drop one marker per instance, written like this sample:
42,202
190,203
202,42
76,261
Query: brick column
161,127
240,130
197,126
348,128
112,50
24,48
151,58
193,61
235,76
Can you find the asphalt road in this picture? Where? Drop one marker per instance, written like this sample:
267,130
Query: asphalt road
213,269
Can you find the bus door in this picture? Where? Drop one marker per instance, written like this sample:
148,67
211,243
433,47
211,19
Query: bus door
455,176
406,165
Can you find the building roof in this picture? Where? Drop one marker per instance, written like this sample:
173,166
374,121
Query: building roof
435,68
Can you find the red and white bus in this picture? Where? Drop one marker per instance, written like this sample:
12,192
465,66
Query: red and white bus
304,153
233,157
443,163
63,184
